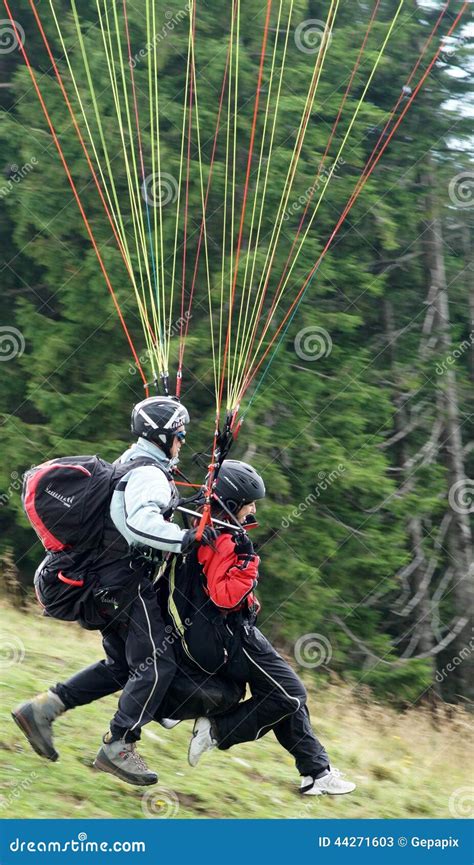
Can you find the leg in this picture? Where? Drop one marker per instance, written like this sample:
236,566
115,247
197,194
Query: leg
193,693
35,717
101,679
278,702
276,692
151,660
296,735
150,655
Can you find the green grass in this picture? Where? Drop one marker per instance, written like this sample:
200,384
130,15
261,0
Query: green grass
403,764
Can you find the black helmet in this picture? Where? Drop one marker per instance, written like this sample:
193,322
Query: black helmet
238,484
157,419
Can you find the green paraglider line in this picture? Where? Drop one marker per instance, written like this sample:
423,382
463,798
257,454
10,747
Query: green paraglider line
371,164
282,337
75,193
250,370
140,154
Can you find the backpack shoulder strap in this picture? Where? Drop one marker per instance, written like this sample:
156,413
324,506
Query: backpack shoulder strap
122,469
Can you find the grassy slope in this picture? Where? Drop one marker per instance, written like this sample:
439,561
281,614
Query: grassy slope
402,765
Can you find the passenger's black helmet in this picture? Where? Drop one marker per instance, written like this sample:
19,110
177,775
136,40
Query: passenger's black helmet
238,484
157,419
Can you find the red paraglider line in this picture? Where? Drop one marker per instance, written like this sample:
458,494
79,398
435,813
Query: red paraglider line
359,186
76,127
75,192
407,84
310,197
203,222
84,147
186,206
140,150
206,515
245,194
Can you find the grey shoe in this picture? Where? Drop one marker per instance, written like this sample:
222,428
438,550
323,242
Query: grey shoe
202,740
121,758
35,719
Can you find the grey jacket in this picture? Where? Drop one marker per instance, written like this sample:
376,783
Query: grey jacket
137,511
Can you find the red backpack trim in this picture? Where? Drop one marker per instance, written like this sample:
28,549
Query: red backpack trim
49,540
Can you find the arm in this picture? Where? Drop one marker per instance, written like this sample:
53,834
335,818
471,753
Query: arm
147,495
230,578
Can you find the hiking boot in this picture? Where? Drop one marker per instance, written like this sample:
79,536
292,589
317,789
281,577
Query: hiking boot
35,719
121,758
332,782
202,740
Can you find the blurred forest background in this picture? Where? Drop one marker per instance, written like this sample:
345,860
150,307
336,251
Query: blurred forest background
366,450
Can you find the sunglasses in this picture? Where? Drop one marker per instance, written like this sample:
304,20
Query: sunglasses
181,436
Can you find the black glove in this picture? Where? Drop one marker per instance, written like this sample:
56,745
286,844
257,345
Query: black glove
243,544
190,540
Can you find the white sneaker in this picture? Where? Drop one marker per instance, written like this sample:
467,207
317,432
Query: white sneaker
332,783
202,740
169,723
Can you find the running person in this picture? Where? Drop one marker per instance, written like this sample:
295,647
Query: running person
236,648
138,657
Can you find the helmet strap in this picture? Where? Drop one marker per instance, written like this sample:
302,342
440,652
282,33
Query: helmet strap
227,510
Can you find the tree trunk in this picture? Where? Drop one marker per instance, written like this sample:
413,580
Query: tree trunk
420,638
461,680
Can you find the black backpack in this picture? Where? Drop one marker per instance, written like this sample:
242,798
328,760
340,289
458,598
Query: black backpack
187,606
66,499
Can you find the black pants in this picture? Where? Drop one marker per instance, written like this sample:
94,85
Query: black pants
190,695
140,657
278,703
194,693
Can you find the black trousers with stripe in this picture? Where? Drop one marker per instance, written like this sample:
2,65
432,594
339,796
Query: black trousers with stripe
140,656
128,638
278,703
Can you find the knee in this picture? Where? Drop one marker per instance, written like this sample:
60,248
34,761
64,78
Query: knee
118,670
302,694
295,698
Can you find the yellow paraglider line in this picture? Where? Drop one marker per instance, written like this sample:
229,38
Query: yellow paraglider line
234,364
335,163
287,187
